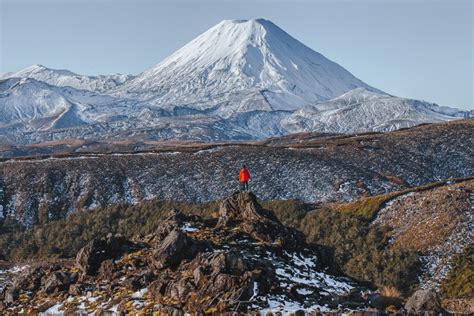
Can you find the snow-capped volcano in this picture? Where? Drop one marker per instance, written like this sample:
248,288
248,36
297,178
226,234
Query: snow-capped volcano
241,79
240,66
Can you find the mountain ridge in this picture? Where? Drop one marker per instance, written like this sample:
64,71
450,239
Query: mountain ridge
342,168
67,78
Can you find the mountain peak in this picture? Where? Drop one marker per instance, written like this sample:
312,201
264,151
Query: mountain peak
248,29
36,67
254,58
258,21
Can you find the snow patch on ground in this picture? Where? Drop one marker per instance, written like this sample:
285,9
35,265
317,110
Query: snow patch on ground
187,227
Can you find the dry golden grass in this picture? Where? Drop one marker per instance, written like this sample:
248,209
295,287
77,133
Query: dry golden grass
67,141
395,180
390,291
368,207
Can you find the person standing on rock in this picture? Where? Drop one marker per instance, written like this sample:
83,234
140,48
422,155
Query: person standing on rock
244,178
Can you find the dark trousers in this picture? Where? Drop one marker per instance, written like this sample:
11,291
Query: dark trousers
244,185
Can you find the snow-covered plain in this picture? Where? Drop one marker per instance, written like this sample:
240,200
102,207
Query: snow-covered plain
241,79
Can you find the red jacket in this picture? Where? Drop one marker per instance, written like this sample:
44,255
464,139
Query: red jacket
244,175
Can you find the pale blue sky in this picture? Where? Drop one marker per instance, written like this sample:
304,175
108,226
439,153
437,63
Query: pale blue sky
411,48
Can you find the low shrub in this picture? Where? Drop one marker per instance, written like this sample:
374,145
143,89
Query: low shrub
361,250
459,282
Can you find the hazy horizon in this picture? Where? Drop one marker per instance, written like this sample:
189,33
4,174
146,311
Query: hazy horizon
414,49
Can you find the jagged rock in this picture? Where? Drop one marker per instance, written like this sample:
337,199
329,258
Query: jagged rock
180,290
58,281
91,256
139,281
30,279
173,221
242,209
242,206
107,269
198,274
174,248
228,262
158,288
11,294
423,301
77,289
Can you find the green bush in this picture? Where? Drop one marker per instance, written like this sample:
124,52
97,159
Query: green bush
64,237
460,280
361,250
289,212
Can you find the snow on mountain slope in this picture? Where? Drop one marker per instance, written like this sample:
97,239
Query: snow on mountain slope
66,78
5,75
361,110
239,66
37,105
24,100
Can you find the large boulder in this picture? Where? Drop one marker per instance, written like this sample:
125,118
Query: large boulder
58,281
226,262
157,288
11,294
138,281
107,270
90,257
30,278
175,220
423,301
174,248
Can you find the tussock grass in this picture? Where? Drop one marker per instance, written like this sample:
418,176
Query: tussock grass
390,291
368,207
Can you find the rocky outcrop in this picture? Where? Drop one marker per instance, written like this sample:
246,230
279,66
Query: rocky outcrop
31,278
424,301
11,295
245,260
90,257
58,281
173,221
243,210
174,248
242,207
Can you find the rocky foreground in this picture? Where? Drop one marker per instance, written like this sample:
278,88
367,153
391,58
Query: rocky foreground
244,260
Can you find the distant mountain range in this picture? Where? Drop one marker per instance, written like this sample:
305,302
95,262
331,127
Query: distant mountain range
241,79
